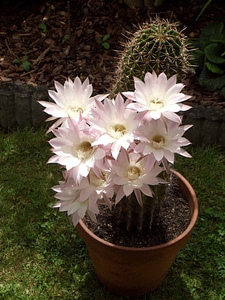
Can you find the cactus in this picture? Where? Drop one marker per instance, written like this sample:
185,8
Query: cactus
157,45
130,215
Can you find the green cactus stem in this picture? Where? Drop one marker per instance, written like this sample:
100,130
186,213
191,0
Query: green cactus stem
132,216
157,45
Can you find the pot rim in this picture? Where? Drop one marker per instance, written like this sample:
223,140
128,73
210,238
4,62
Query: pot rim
157,247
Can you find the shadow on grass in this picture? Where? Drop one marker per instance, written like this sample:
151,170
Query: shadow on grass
173,288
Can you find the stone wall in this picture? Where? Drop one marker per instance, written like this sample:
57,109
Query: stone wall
208,125
19,107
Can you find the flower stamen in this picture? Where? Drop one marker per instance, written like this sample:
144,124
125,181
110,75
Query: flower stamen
97,181
158,141
117,131
156,104
74,111
133,173
84,150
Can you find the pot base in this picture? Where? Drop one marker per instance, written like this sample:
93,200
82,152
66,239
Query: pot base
132,271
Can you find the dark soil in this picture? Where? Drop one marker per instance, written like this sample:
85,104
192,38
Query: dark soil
64,38
170,221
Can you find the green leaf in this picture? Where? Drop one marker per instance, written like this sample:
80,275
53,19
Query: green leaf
26,65
213,68
16,61
106,45
213,53
211,33
210,82
43,27
105,37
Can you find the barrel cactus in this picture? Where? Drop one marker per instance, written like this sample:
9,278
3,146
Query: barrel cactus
157,45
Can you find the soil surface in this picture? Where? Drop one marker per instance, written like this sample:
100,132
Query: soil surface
65,38
130,227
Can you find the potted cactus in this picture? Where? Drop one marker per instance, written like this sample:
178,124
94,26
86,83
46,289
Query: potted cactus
117,156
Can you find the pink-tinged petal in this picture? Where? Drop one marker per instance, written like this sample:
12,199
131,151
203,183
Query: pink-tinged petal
115,149
119,180
154,115
93,209
186,127
85,194
184,153
104,140
99,153
119,195
53,159
158,155
59,87
93,204
53,109
75,218
169,156
172,116
146,190
175,89
172,81
138,196
59,99
107,200
84,170
129,95
184,107
57,205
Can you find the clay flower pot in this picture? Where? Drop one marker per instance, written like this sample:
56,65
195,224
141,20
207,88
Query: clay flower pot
131,271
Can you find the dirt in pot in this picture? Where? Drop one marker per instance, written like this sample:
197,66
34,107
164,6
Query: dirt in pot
173,218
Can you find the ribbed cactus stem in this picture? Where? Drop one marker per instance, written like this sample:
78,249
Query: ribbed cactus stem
130,215
156,46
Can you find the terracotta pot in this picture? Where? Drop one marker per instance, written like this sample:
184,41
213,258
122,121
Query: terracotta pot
131,271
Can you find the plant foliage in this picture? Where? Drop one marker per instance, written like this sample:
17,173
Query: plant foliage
210,57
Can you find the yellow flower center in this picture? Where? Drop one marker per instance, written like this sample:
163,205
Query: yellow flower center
133,173
156,104
97,181
158,141
74,111
117,131
84,150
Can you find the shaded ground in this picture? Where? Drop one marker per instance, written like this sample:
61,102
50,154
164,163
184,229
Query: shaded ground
64,38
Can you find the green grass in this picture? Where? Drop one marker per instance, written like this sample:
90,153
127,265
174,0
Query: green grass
41,256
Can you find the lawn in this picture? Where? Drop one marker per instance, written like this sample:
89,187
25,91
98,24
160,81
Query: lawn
41,256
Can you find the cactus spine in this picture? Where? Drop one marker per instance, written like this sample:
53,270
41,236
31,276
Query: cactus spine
157,45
